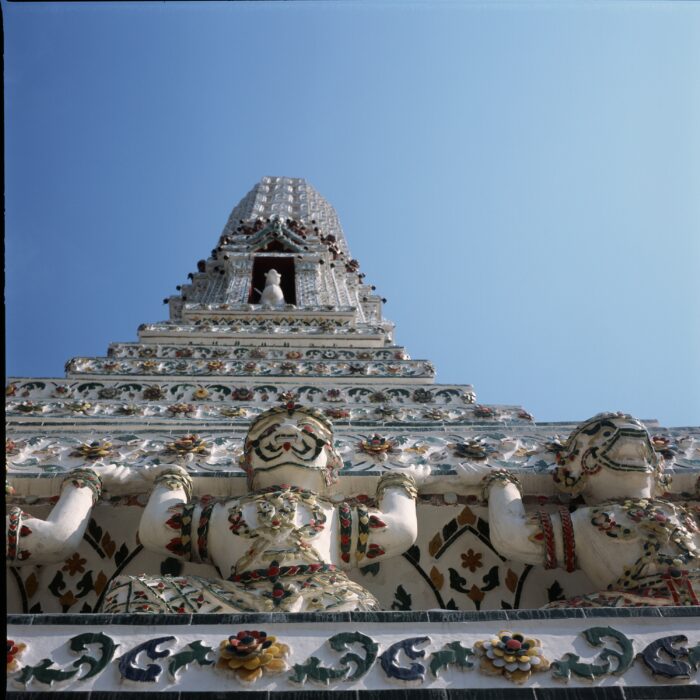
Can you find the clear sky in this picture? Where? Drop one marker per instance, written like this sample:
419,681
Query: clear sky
521,180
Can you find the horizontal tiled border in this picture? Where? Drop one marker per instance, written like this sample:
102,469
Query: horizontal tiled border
657,692
411,616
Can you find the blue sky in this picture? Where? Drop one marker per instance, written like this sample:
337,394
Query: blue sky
520,180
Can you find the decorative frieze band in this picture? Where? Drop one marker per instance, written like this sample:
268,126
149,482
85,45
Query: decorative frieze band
293,365
278,652
215,352
20,391
527,450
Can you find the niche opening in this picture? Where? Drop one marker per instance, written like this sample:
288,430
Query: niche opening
262,265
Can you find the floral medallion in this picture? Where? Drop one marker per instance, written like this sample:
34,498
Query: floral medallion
512,655
473,448
94,450
14,650
189,444
252,653
29,407
377,446
79,406
153,393
242,394
422,396
233,412
131,409
177,409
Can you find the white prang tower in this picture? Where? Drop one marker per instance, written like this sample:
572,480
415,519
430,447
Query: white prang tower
280,315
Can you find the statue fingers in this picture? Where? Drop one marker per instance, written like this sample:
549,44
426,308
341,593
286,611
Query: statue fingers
471,474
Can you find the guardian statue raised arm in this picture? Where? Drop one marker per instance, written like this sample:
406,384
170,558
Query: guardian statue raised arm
636,547
283,546
31,541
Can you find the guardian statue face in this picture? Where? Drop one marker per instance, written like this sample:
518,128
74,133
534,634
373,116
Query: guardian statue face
614,441
283,440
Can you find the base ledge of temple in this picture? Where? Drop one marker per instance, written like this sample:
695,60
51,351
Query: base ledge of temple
436,615
596,653
666,692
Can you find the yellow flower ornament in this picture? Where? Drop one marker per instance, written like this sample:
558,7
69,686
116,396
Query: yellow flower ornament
251,653
511,654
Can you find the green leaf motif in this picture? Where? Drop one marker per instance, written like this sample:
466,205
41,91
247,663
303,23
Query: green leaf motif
413,553
555,592
107,649
457,582
449,529
194,652
89,386
85,585
398,392
342,641
452,654
313,670
483,528
370,569
694,656
179,387
121,554
45,468
170,566
57,584
402,599
33,385
491,580
32,462
571,663
42,673
94,530
221,388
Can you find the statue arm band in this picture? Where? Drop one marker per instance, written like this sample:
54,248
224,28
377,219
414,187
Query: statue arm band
175,479
498,476
15,530
85,478
547,529
567,528
394,480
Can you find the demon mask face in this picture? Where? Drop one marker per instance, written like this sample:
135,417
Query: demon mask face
290,436
615,441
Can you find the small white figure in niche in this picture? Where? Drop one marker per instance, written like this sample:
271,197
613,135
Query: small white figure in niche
283,546
272,294
637,549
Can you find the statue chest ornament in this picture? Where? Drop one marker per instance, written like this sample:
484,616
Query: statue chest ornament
282,522
665,534
282,570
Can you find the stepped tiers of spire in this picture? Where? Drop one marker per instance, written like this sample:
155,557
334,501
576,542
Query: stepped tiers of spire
279,308
271,437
